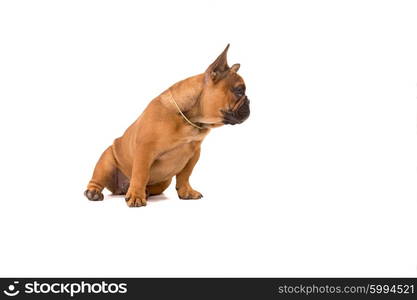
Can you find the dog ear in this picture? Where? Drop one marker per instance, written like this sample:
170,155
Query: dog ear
235,68
219,67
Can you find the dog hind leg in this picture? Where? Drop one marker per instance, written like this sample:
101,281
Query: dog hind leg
103,176
120,183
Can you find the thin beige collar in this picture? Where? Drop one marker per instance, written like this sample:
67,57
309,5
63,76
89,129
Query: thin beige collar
182,114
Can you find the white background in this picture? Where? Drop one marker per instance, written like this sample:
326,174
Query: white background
320,181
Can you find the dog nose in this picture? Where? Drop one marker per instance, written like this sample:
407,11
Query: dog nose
244,111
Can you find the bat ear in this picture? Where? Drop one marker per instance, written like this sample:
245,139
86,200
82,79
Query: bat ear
219,67
235,68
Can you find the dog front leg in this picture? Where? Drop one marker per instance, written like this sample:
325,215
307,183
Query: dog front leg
184,189
136,194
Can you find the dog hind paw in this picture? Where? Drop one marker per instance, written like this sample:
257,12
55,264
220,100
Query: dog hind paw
94,195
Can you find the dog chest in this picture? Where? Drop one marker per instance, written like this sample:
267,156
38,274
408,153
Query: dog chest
171,162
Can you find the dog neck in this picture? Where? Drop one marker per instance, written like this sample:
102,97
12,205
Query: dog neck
186,93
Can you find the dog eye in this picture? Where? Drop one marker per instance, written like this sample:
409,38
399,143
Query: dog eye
239,91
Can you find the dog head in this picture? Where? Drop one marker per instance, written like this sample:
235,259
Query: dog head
223,99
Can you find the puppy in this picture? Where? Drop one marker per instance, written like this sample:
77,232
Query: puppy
165,140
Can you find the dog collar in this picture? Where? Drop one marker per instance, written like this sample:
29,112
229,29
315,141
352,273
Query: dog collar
171,97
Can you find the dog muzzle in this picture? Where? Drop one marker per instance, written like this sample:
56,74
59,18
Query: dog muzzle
238,115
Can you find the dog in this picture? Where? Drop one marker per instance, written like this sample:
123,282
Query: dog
165,140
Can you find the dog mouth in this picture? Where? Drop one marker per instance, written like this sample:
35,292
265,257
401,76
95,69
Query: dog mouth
237,116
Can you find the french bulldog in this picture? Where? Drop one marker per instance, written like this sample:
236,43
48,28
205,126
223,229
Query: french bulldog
165,140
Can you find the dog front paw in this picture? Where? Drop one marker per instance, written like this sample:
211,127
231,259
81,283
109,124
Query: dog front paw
93,195
187,193
135,199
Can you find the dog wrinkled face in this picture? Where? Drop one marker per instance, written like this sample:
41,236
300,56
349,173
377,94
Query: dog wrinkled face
224,99
238,110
